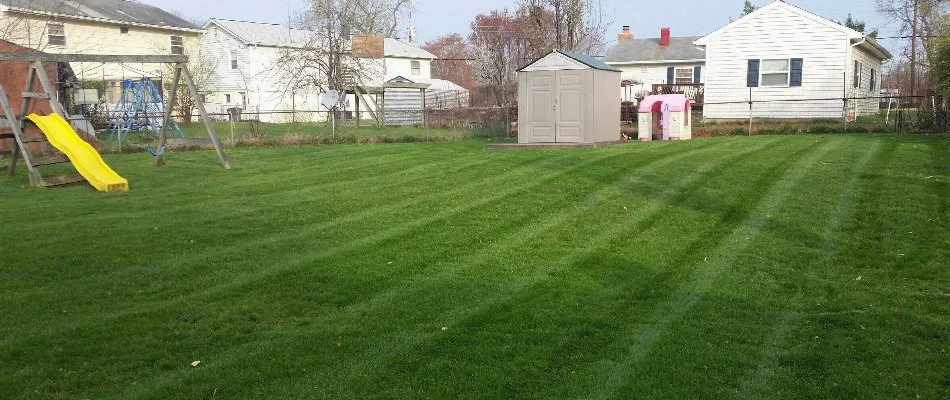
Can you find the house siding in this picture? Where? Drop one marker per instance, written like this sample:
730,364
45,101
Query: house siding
776,33
93,37
257,85
863,105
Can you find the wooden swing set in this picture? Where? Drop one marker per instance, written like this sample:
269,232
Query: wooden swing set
37,72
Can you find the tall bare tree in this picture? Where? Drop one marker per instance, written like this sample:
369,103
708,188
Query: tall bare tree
931,20
575,25
452,63
324,59
499,47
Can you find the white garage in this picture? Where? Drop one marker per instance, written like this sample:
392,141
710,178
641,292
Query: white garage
567,97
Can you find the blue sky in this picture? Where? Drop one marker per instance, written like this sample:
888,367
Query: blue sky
434,18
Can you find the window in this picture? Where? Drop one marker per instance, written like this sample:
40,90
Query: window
416,69
227,99
178,45
204,98
243,98
123,30
873,84
234,59
56,34
857,74
774,73
683,76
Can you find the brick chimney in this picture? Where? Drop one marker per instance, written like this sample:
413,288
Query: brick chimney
625,34
664,36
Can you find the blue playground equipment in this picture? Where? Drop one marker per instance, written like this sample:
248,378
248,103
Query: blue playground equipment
140,109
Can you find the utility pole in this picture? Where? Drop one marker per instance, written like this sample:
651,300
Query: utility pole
913,54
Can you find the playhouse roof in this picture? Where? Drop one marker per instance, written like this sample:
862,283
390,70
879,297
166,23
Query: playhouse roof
677,102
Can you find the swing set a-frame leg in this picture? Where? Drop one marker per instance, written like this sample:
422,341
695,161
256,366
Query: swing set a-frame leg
181,71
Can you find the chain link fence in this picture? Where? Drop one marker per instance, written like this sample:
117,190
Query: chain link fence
852,114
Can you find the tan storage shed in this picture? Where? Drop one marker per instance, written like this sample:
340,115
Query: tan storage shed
567,97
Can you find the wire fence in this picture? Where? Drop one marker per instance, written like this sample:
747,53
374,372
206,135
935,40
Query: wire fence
851,114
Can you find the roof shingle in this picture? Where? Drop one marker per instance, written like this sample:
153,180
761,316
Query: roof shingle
118,11
649,50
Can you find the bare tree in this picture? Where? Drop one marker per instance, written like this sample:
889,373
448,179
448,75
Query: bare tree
452,63
324,59
574,25
499,48
930,17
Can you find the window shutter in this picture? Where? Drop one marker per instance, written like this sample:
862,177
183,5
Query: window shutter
696,74
670,71
795,79
752,78
873,80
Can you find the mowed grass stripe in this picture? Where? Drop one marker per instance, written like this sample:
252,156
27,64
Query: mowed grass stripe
569,258
411,345
379,307
760,381
178,264
613,376
169,199
886,324
177,297
541,291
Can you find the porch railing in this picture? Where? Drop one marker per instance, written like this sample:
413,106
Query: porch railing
693,91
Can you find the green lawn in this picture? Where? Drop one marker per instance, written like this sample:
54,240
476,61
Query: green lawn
742,267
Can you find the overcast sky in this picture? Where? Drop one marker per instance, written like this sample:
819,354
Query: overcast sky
434,18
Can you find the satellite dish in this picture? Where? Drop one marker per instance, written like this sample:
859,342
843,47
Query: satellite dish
333,98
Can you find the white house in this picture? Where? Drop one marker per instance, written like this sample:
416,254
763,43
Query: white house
244,59
407,63
99,27
665,60
241,60
793,64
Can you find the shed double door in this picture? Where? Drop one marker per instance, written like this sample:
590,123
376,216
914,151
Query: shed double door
555,104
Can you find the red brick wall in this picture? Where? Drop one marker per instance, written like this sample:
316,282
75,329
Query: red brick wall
13,79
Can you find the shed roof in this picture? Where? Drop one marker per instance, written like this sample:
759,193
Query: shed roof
585,59
114,11
650,50
677,102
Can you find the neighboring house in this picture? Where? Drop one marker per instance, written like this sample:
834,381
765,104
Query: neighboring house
246,72
242,62
98,27
795,64
407,63
674,62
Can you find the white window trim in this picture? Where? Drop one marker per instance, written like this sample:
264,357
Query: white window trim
233,60
172,45
763,72
49,33
676,71
415,67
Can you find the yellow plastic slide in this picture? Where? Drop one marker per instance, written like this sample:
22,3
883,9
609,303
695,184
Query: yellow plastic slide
83,156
